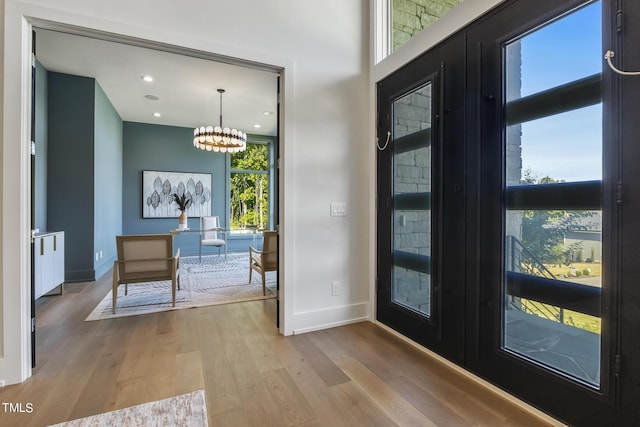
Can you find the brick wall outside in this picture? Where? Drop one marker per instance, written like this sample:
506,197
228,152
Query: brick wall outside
412,174
513,155
412,16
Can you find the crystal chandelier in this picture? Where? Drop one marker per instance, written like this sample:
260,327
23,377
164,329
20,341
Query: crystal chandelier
219,139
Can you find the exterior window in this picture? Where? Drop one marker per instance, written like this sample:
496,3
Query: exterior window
552,190
250,189
412,16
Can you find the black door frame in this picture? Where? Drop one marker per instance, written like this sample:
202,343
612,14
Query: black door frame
443,331
625,22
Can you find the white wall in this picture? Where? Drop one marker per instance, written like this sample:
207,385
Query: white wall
323,48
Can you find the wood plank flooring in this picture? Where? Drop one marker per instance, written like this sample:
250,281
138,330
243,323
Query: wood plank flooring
356,375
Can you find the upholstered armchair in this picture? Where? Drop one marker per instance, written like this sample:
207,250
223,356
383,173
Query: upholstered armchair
211,234
266,259
145,258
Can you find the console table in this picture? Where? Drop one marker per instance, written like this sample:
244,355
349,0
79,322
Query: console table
48,262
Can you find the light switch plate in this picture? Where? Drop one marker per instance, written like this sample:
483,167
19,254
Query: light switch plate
338,209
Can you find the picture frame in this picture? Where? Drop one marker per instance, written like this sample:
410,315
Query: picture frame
158,188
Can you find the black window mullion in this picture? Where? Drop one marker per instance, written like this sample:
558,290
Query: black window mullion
412,261
413,141
412,201
573,296
577,94
585,195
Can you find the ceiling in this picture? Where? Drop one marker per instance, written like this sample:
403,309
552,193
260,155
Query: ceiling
186,87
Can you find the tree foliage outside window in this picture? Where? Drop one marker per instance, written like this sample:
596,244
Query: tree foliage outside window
543,231
249,192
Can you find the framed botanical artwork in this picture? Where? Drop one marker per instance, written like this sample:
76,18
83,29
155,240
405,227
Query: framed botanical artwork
158,188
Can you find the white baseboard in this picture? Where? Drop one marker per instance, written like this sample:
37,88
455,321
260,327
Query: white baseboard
330,318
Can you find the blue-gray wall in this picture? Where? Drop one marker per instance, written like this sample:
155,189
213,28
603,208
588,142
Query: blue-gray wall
166,148
84,173
70,167
41,140
107,220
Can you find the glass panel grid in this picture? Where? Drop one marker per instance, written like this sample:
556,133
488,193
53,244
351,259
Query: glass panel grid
552,259
412,170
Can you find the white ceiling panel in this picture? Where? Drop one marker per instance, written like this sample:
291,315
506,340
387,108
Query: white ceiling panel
186,87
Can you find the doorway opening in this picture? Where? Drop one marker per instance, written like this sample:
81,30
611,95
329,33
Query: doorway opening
183,71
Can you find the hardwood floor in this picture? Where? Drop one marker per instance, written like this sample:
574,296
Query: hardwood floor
356,375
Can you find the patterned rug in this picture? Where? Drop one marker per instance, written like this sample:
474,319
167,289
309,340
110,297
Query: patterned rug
215,280
184,410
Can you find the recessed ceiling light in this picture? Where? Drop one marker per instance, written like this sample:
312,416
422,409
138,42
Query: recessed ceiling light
156,114
147,78
268,113
151,97
257,126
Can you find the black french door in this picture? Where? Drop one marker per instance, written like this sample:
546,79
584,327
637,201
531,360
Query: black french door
542,268
421,200
502,192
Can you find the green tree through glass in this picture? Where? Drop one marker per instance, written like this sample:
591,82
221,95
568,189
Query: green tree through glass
543,231
249,195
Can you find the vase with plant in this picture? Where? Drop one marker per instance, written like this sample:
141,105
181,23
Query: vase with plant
183,201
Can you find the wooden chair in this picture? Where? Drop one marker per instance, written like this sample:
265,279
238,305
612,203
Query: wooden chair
145,258
209,230
266,259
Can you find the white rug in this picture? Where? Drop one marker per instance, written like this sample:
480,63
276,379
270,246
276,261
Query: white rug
184,410
210,282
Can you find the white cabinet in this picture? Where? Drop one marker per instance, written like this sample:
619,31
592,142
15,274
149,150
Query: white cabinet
48,262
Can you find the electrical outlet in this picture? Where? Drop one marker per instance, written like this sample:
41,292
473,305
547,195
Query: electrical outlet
335,288
100,254
97,254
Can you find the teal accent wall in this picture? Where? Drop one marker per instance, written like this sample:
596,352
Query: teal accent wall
41,140
70,177
107,221
166,148
83,174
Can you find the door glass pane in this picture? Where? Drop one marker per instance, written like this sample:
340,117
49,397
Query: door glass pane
551,56
411,284
412,289
553,255
563,147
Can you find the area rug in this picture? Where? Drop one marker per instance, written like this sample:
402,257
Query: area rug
214,280
184,410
